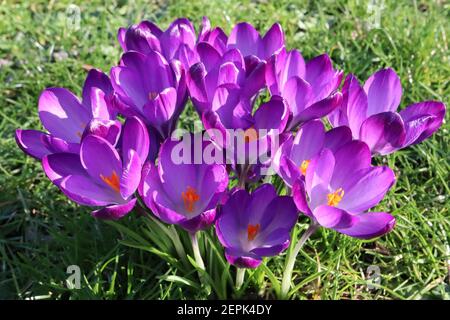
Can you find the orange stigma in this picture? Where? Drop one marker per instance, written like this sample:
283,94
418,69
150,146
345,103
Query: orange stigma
190,197
152,95
252,231
250,135
112,181
304,166
335,197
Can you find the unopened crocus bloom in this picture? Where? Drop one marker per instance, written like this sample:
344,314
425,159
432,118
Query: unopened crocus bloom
66,117
340,187
249,42
216,69
100,175
177,42
309,88
184,192
256,225
371,113
294,156
149,87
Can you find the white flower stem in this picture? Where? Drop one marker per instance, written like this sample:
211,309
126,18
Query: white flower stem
196,249
290,260
240,274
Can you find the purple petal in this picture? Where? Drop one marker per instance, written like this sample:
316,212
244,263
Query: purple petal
299,196
297,93
272,115
156,198
180,32
350,158
319,73
370,225
62,114
197,88
255,81
233,220
200,222
131,174
96,87
260,199
115,212
245,38
60,165
107,129
337,137
242,262
85,191
280,214
161,109
383,132
308,142
135,137
101,161
333,218
353,110
318,109
366,188
422,120
384,91
272,41
30,141
208,55
318,177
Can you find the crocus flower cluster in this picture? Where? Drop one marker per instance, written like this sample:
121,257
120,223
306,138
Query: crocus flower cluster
116,144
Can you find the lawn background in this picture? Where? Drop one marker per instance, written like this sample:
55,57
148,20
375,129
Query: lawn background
41,233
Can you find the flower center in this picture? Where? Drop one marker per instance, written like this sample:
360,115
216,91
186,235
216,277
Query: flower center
304,166
250,135
190,197
252,231
113,181
152,95
335,197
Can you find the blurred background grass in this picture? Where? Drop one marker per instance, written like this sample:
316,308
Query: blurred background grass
41,233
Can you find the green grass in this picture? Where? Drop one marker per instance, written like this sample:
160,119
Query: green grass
41,233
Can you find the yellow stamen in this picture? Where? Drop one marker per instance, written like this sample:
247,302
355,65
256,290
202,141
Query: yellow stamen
304,166
190,197
252,231
335,197
250,134
113,181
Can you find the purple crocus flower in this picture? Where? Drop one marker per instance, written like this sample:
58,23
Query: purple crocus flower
309,88
294,156
148,87
176,42
214,70
100,175
230,123
253,226
370,112
66,118
185,193
340,187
